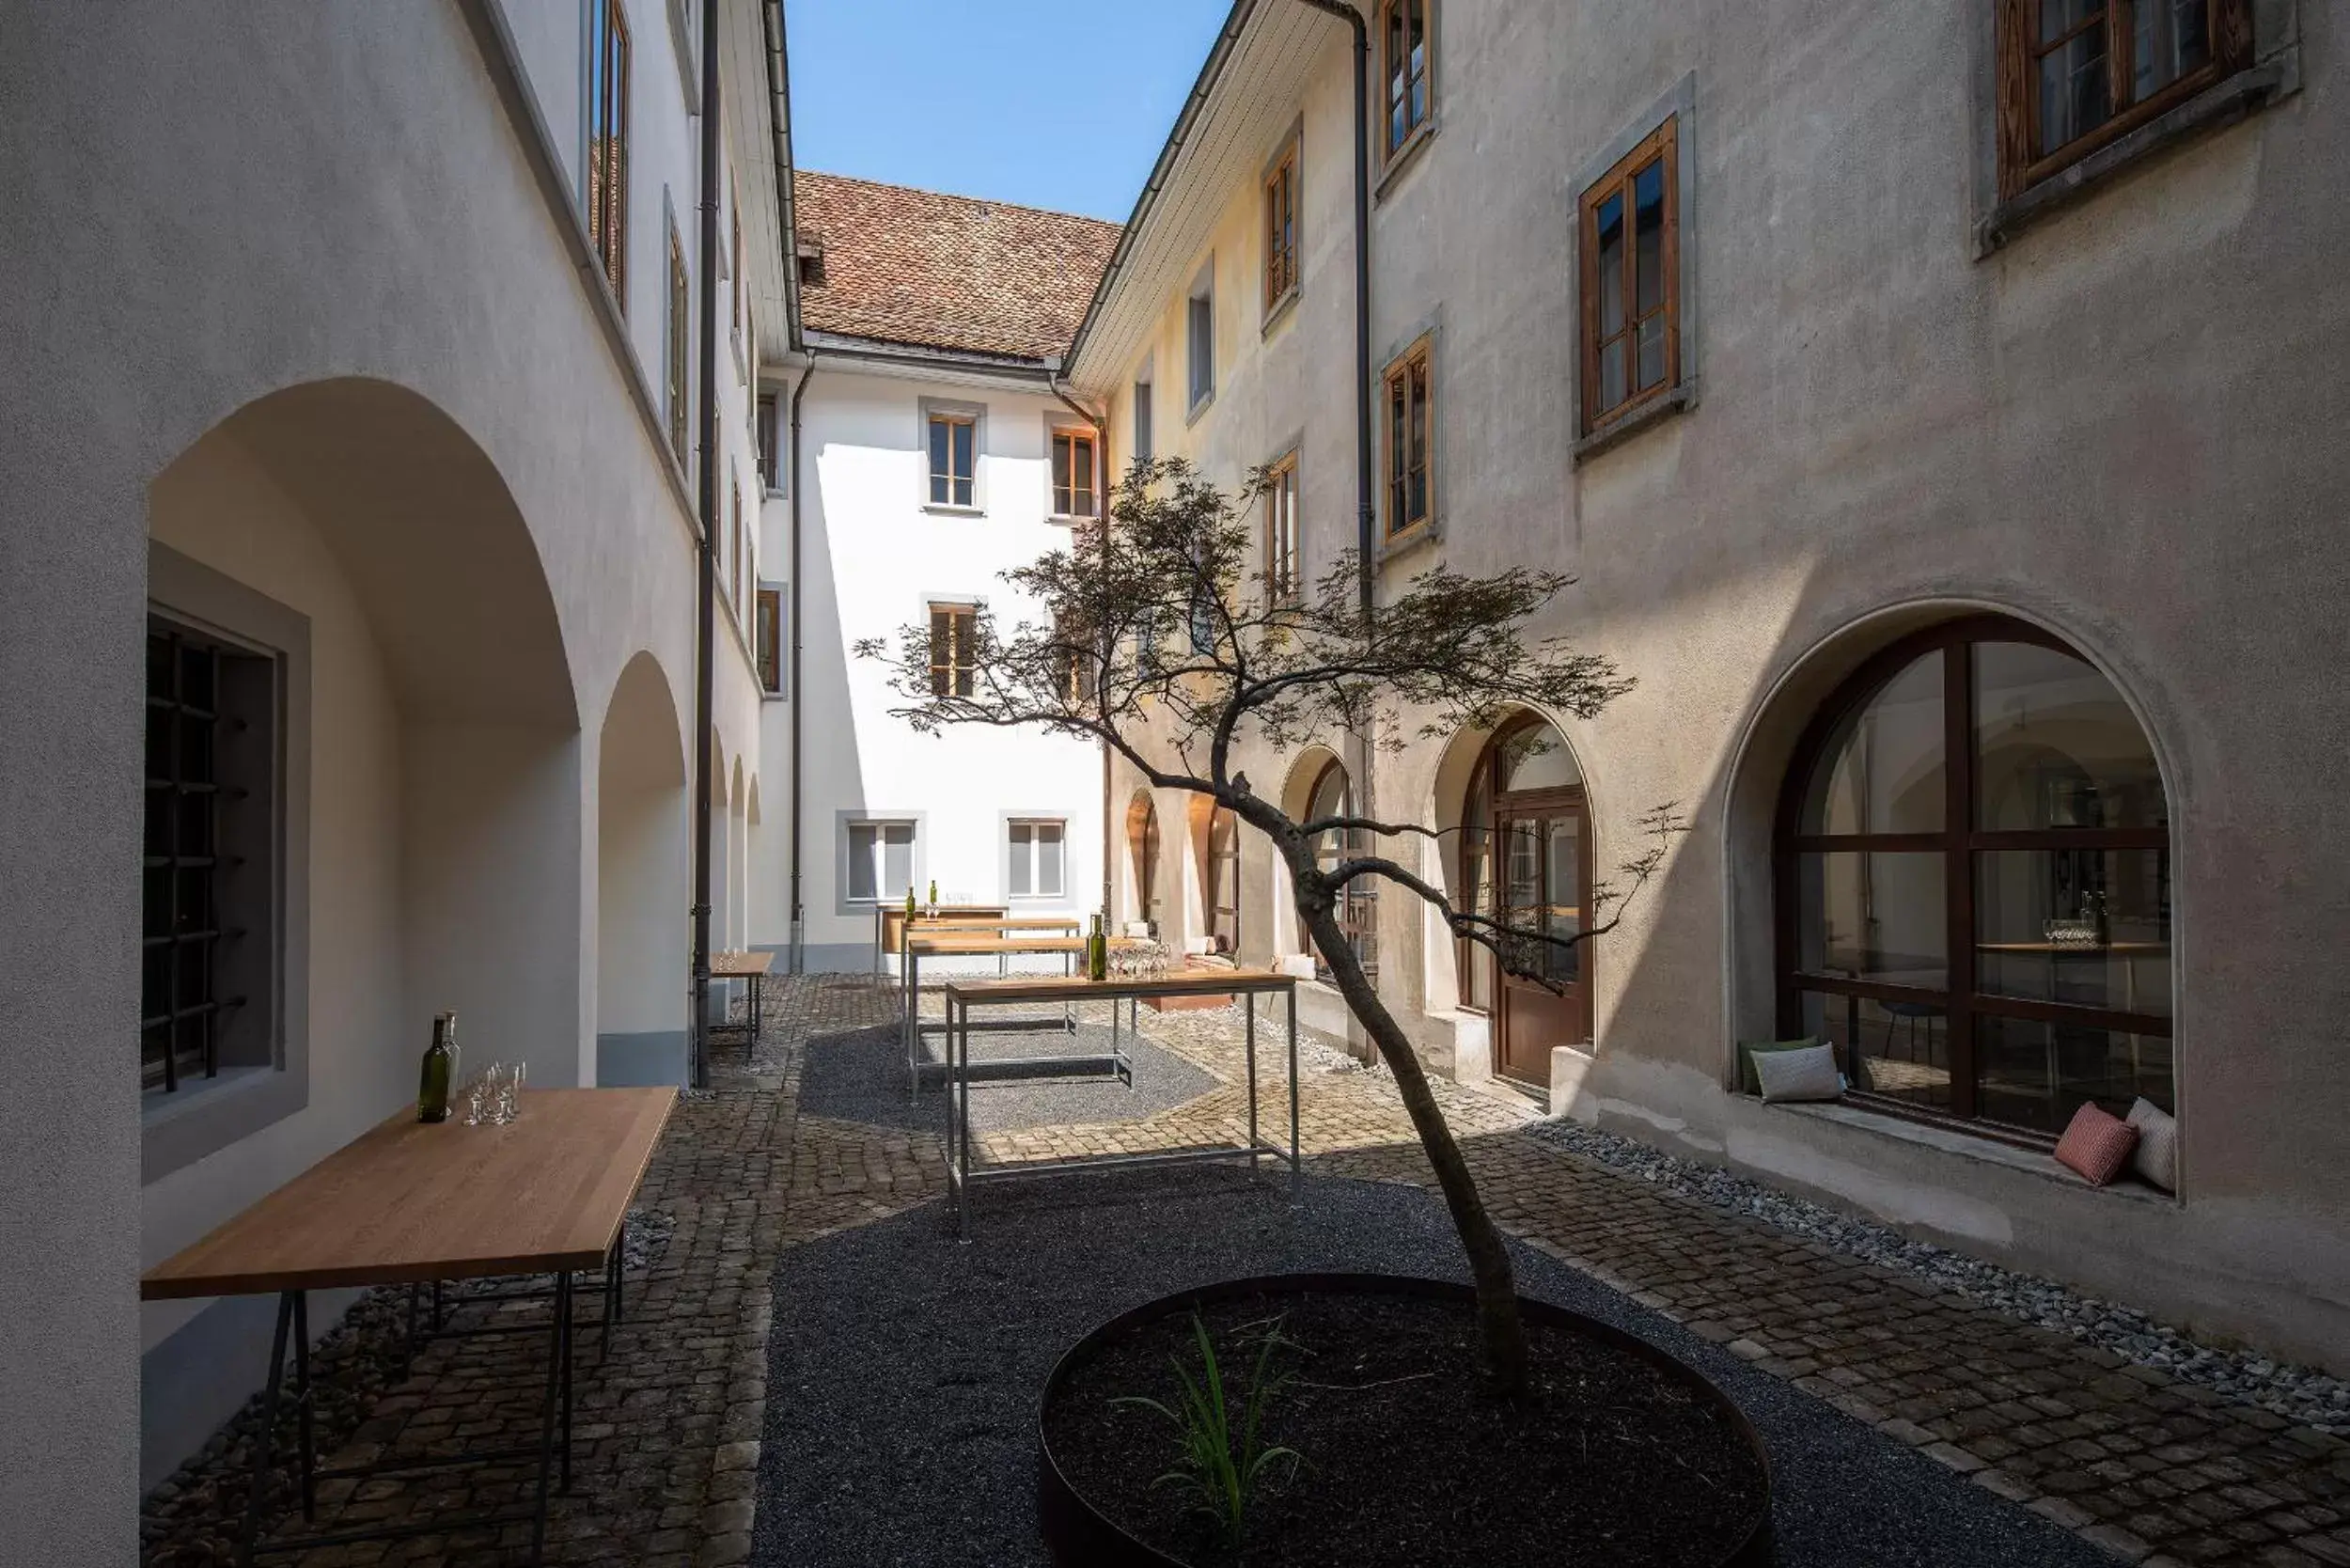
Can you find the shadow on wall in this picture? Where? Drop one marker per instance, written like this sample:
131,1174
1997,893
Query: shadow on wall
832,765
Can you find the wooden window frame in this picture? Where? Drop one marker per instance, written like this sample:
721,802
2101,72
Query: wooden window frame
954,672
1960,840
1395,141
608,126
1397,468
1199,342
1281,575
1281,272
767,638
1223,879
674,357
1064,497
767,418
950,417
1664,143
2022,165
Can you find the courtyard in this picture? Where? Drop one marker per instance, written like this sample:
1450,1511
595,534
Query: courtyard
812,1370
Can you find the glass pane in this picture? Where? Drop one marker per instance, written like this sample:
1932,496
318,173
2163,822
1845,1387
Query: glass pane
964,432
1048,859
1648,237
1612,390
1900,1050
1882,770
861,883
1536,758
2058,747
896,860
1611,266
2032,1075
1022,840
1874,917
2072,89
2060,17
1061,472
2087,927
1563,872
1651,338
2170,38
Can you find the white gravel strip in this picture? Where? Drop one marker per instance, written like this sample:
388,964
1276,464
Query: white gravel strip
2299,1394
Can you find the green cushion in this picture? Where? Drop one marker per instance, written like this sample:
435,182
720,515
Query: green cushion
1746,1078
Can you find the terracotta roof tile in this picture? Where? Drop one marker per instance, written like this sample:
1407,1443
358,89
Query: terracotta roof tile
947,271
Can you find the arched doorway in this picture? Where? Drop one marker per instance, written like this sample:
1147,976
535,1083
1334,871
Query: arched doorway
643,881
1223,882
1525,860
1332,794
1142,849
1973,883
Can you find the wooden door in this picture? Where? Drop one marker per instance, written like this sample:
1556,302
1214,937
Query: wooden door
1543,868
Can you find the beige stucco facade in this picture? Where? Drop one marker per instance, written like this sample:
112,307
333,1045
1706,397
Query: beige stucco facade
2123,425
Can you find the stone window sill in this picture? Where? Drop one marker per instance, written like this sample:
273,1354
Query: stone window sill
1412,539
937,511
2222,103
1199,405
1401,160
1279,310
1676,400
1967,1146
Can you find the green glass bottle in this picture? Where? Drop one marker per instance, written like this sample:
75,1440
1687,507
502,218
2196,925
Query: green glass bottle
440,1068
933,897
1097,952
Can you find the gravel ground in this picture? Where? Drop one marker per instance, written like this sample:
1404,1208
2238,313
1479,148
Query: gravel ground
2298,1393
861,1076
904,1370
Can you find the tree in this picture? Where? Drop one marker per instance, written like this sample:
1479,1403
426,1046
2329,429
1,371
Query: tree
1170,641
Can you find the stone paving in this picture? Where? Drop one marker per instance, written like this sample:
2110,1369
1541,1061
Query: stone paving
2152,1469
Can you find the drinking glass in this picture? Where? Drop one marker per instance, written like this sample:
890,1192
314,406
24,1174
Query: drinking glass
510,1090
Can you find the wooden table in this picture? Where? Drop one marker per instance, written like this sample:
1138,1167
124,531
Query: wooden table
994,922
408,1204
962,1073
974,944
889,922
754,968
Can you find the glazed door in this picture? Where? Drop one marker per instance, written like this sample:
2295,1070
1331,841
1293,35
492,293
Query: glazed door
1544,873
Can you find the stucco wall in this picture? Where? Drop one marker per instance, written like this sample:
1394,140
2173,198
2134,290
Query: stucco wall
2122,426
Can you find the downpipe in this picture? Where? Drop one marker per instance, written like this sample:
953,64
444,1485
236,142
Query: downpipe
705,609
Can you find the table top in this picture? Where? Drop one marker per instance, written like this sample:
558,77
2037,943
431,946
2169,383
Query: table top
2099,949
1177,982
1002,923
966,945
740,966
408,1202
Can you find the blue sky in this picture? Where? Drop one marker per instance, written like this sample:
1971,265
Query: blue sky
1058,104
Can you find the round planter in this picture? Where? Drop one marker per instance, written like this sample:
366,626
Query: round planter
1079,1535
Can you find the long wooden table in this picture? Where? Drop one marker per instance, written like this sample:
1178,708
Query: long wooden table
889,922
754,968
993,923
974,945
417,1204
963,996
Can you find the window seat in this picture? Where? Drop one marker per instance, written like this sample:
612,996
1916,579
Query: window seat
1967,1146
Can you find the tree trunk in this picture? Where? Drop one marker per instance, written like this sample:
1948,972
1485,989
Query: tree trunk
1499,1331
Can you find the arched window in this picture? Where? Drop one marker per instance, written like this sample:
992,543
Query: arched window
1142,844
1526,859
1974,884
1223,882
1333,795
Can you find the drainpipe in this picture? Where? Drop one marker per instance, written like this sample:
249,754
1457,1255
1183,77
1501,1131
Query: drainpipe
793,690
705,608
1100,424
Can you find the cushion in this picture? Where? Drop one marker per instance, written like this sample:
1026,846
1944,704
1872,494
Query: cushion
1748,1050
2156,1157
2097,1144
1807,1072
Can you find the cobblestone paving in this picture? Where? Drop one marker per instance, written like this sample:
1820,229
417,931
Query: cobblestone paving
2153,1470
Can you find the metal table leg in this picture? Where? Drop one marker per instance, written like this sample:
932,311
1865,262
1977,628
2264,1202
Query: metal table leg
1296,1167
257,1493
557,1370
1248,1004
959,1091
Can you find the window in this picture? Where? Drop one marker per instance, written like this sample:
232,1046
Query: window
954,441
1280,231
1072,472
1076,663
1280,528
1223,882
1333,795
2075,74
1145,449
1974,885
1035,870
607,141
881,862
734,530
1631,283
770,640
182,1002
1142,848
1408,441
734,299
954,631
1200,338
770,469
1403,66
809,258
676,356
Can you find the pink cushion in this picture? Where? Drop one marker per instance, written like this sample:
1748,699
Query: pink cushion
2097,1144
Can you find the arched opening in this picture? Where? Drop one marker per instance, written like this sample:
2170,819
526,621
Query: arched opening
737,902
1216,850
1332,794
1524,857
643,883
1973,883
1142,853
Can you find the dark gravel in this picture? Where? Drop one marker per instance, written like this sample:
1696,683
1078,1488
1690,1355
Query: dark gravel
904,1370
861,1076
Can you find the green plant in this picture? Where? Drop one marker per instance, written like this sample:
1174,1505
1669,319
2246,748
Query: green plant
1224,1473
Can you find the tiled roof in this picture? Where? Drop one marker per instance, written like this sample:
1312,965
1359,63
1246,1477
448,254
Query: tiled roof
946,271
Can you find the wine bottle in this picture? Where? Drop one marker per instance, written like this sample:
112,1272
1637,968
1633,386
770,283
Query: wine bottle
440,1068
933,897
1097,952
